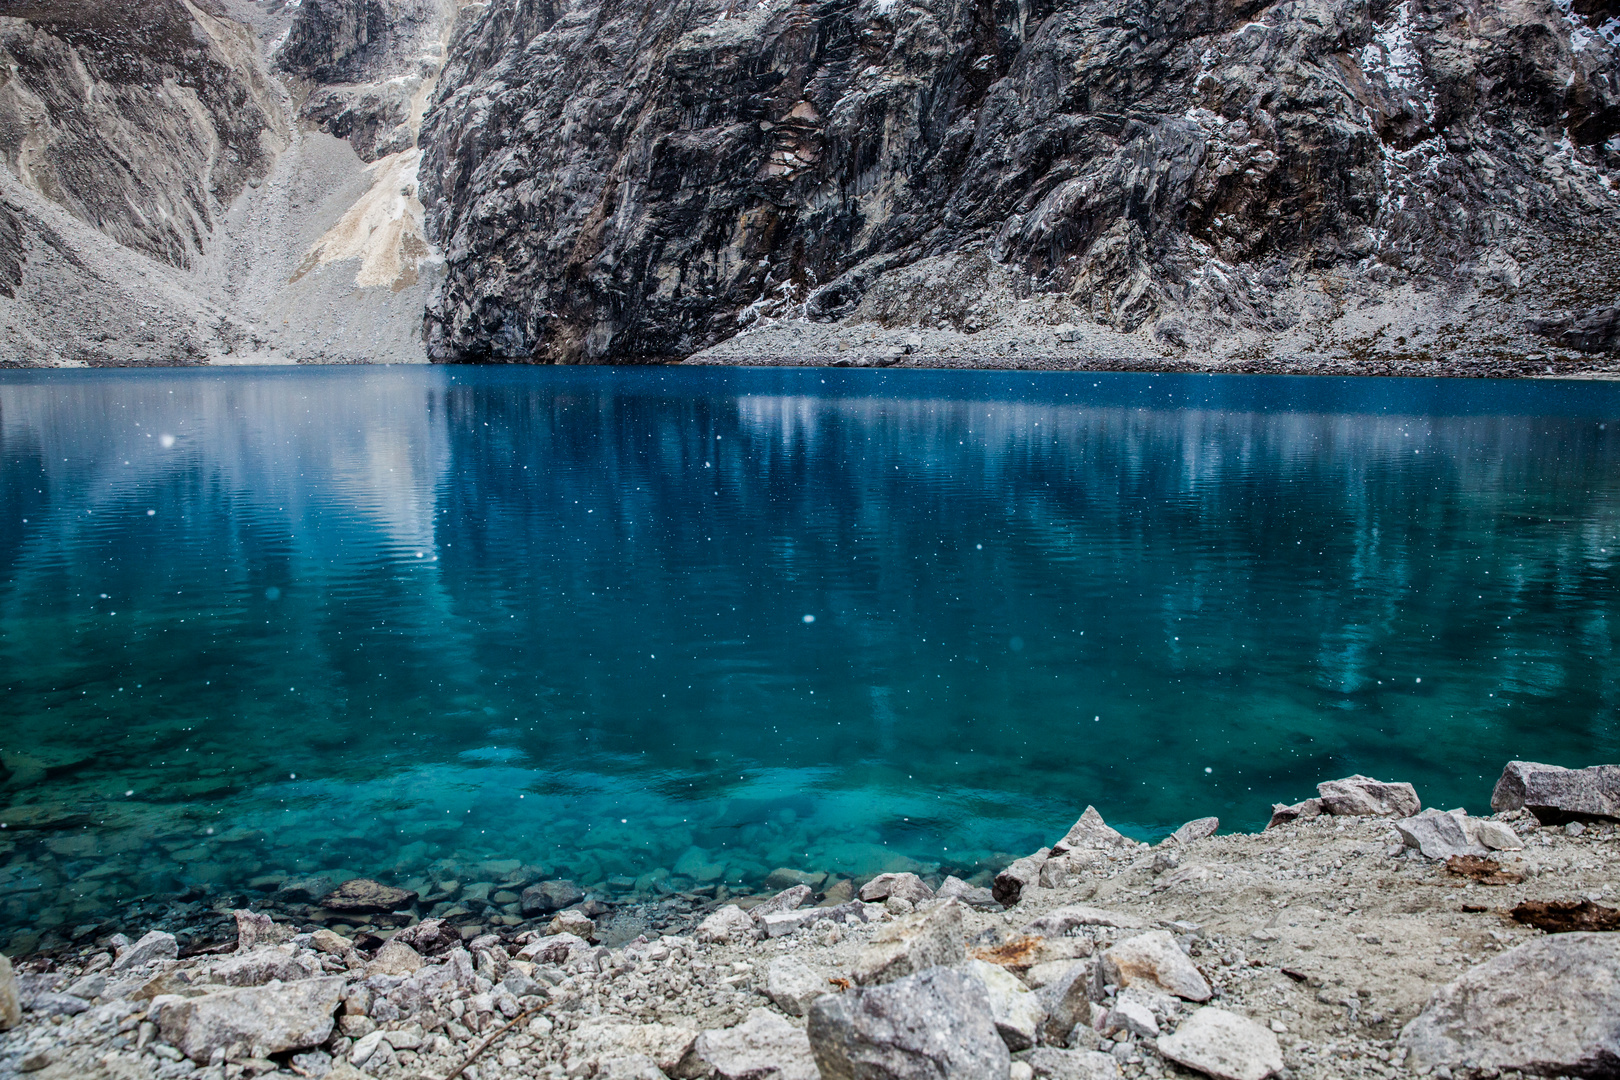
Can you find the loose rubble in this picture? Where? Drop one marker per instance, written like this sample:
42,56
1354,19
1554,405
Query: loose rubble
1349,940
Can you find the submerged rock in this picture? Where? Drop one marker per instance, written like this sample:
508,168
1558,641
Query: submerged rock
549,896
1550,1006
935,1025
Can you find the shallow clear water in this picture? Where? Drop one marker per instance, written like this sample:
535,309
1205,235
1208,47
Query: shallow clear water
265,623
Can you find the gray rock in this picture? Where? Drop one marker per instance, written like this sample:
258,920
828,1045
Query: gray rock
974,896
88,986
789,899
1067,1001
763,1047
1131,1016
254,928
258,967
1362,796
430,937
304,890
1550,1006
1196,830
549,896
395,958
1050,1063
728,923
1063,920
1091,831
362,896
1153,961
629,1067
51,1003
1018,1013
10,1003
152,947
1009,885
1223,1045
911,944
935,1025
596,1038
781,923
906,886
268,1019
793,984
1557,795
1282,813
1437,834
1493,835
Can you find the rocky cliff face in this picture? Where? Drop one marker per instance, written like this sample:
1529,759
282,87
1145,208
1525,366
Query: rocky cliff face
622,181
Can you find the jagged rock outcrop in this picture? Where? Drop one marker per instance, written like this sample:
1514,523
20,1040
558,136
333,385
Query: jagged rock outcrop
617,182
142,120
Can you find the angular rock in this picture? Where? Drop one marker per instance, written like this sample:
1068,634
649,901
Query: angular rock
549,896
905,886
793,984
362,896
572,922
1056,871
50,1003
781,923
1050,1063
331,943
974,896
269,1019
258,967
152,947
596,1038
1153,961
395,958
1362,796
1091,831
554,949
912,944
1437,834
1223,1045
1282,813
728,923
1556,795
763,1047
1196,830
935,1025
430,937
629,1067
1131,1016
255,928
1494,835
1550,1006
1063,920
1067,1001
10,1005
1017,1012
1009,885
790,899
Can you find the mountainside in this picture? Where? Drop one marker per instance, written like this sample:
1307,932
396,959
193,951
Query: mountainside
1361,184
621,181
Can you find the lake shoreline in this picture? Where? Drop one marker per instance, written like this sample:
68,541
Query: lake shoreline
1331,930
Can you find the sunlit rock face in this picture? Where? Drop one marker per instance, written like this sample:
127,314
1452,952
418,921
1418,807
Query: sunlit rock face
618,181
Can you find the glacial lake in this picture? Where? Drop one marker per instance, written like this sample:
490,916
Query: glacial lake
652,629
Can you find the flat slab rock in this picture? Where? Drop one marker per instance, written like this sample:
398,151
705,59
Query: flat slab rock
362,896
1549,1006
269,1019
1224,1045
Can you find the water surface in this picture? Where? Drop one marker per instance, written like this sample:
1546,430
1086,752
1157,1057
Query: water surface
704,623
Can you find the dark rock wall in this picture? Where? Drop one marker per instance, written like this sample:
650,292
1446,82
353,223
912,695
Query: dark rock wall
632,181
140,119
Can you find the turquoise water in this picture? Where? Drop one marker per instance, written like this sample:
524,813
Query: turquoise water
400,622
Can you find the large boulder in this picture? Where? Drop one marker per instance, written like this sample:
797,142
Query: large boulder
728,923
1550,1006
1283,813
1020,874
268,1019
976,896
1223,1045
1556,795
1362,796
1067,1001
1153,961
789,899
911,944
794,985
908,887
935,1025
1091,831
1195,830
1438,834
152,947
763,1047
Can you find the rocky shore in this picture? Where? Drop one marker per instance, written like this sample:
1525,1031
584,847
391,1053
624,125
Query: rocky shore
1358,935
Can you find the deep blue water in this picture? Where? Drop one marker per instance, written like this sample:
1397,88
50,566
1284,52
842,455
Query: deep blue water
400,621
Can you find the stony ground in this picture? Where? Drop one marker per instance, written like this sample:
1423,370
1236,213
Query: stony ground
1325,930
